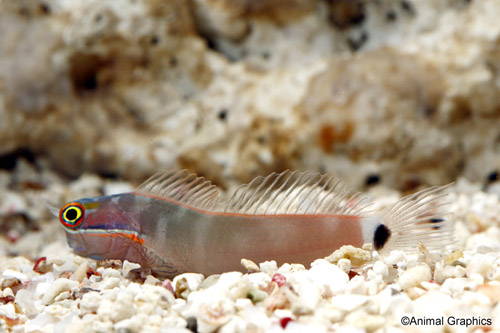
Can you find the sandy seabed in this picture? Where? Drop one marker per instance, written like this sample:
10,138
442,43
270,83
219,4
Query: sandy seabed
46,288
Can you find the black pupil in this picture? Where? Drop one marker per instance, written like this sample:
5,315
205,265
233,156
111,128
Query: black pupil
71,214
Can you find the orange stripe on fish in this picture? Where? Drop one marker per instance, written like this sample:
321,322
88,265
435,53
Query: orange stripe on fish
115,234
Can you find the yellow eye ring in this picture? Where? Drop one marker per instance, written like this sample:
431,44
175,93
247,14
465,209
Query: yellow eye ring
71,215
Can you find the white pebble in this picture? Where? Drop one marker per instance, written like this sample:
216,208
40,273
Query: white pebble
395,258
453,286
129,266
414,275
110,283
193,280
59,261
429,285
348,302
268,267
59,286
90,302
381,269
307,299
110,272
331,279
152,280
41,288
459,271
68,266
81,272
476,279
374,286
133,289
357,285
64,295
480,264
157,295
228,280
441,272
55,310
235,324
256,316
40,323
286,269
258,279
214,314
105,309
242,303
134,324
25,299
298,327
7,292
415,292
344,265
249,265
8,273
8,310
366,321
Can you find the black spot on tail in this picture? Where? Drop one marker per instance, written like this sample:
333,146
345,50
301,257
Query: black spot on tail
382,235
436,220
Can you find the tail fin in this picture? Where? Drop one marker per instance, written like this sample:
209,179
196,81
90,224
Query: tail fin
418,219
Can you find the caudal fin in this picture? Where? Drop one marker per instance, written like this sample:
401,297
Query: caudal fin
418,219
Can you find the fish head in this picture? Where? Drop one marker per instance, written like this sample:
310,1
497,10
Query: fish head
104,228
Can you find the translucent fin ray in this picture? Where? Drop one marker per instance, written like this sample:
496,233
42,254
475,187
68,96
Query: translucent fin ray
183,187
419,219
295,193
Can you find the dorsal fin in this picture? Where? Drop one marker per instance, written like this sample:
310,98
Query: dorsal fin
184,187
295,193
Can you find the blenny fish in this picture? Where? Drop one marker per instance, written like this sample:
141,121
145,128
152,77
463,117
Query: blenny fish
177,222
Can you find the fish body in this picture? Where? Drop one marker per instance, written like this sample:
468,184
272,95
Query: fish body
176,222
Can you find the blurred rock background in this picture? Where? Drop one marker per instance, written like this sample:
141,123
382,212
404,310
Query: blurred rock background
402,93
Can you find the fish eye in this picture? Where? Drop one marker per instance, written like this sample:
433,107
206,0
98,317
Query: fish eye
71,215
